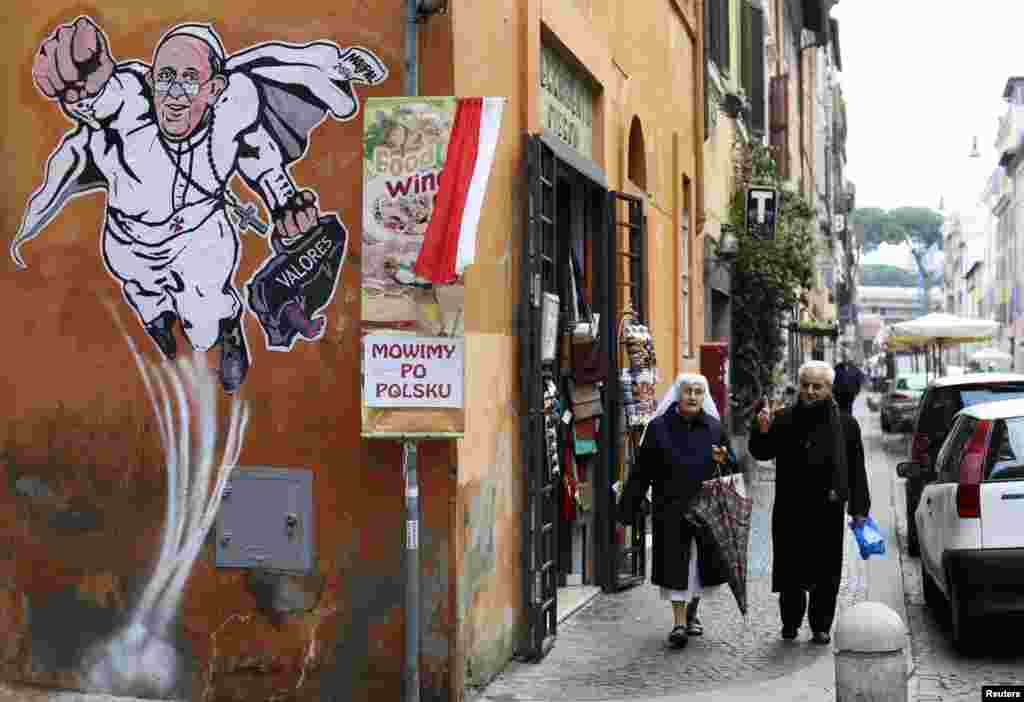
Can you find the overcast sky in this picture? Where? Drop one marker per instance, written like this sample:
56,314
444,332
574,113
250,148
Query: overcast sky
921,79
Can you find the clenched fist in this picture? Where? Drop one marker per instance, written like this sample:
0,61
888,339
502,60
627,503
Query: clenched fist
297,216
74,63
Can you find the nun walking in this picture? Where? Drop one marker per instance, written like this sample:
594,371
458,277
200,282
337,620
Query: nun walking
683,445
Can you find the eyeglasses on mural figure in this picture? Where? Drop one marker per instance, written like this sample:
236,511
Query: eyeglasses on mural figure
164,140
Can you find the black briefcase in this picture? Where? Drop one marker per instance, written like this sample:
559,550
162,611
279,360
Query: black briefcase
291,288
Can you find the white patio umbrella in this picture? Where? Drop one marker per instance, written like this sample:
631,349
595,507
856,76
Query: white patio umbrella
938,330
991,355
944,329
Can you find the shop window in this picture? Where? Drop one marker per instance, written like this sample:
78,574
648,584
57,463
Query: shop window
637,168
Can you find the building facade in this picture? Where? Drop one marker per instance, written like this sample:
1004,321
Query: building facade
598,190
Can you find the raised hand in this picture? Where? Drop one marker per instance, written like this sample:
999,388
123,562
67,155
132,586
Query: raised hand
74,63
764,419
297,216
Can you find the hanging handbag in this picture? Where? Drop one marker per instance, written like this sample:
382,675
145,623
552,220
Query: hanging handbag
585,324
585,436
589,363
586,401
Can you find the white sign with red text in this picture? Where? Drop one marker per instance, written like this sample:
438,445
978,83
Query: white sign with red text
412,371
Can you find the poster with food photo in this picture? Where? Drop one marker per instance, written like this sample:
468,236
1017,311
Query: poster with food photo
426,164
405,145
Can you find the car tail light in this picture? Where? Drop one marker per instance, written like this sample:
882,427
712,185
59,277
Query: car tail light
919,449
968,491
968,501
901,396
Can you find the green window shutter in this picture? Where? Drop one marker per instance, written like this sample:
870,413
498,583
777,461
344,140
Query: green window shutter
746,48
757,73
723,35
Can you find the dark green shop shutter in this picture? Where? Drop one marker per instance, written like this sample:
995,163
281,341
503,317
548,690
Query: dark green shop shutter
757,78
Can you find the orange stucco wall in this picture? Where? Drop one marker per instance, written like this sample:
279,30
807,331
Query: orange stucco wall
77,430
640,57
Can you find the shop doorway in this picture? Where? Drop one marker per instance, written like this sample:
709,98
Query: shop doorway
571,423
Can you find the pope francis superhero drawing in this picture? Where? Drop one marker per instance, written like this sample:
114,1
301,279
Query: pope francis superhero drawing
164,141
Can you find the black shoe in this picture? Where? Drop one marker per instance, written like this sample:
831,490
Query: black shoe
789,634
821,637
161,330
693,623
677,638
234,356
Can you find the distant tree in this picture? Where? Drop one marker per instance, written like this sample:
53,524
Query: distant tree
889,276
919,227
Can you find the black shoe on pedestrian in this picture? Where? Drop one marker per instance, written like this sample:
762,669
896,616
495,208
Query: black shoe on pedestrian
234,356
789,633
693,623
161,330
821,637
677,638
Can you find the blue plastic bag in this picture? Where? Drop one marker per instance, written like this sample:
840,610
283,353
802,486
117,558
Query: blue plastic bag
870,539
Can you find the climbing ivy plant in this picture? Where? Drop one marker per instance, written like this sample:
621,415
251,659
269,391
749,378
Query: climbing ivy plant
768,279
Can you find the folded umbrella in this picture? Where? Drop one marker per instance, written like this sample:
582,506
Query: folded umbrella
723,513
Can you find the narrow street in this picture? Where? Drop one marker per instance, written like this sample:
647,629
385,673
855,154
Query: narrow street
614,648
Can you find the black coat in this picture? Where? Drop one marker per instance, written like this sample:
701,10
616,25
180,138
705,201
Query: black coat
815,450
674,459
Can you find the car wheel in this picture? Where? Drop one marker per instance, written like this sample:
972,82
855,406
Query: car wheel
960,622
933,596
913,545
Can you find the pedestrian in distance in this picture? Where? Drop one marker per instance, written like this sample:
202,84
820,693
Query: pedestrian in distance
682,446
849,379
819,466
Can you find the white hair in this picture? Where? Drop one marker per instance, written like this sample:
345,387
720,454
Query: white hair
818,365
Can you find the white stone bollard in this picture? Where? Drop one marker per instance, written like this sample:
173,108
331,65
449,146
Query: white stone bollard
870,663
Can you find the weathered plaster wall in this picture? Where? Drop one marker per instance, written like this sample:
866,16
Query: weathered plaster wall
81,495
636,56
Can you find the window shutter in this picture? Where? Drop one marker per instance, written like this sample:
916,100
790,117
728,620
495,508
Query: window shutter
756,92
709,34
723,35
746,48
779,136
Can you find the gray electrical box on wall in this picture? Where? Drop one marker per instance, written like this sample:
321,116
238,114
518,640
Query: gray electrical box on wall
266,520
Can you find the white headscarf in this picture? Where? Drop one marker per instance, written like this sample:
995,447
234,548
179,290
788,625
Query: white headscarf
710,408
672,395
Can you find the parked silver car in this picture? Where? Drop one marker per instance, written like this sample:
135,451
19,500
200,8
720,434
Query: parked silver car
900,402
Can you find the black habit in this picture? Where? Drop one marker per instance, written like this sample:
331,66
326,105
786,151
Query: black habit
816,448
674,459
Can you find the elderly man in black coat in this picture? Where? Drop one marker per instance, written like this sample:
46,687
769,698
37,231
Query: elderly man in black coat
684,445
819,466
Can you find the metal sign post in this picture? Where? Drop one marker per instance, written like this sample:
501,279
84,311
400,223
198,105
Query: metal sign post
412,571
411,542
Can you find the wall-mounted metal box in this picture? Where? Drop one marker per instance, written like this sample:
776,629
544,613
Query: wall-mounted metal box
266,520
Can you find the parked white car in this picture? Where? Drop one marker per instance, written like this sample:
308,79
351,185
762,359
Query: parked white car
970,520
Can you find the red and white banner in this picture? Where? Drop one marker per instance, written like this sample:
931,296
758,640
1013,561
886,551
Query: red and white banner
450,242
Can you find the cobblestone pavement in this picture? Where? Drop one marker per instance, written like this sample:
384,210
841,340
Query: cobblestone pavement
614,648
940,674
